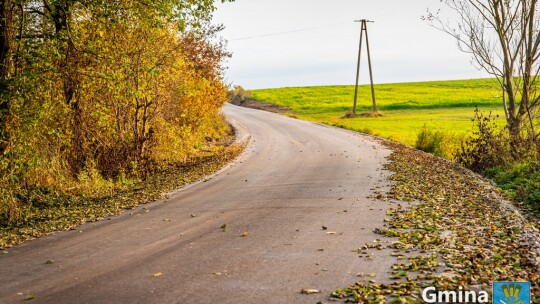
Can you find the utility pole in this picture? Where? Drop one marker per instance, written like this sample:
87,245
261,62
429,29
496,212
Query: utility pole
362,30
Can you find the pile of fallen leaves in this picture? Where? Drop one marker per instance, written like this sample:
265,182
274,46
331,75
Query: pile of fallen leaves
64,213
459,232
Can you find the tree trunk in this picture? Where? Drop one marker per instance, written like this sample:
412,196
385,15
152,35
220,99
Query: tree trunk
6,68
60,14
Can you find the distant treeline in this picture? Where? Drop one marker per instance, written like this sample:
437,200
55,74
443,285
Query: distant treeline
102,91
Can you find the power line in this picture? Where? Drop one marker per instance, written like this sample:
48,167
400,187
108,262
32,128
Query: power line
303,29
289,32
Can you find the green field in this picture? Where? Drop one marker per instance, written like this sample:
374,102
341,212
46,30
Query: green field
446,106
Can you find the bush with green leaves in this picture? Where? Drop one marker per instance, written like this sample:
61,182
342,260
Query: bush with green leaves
520,181
435,142
488,147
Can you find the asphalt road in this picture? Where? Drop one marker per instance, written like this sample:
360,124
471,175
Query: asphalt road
294,178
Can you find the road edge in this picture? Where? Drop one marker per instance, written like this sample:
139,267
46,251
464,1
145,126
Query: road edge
242,138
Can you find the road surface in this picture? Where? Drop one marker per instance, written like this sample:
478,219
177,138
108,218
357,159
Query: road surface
294,178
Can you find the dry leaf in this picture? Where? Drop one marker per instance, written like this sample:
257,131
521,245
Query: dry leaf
310,291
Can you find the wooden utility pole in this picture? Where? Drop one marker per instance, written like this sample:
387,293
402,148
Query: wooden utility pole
362,30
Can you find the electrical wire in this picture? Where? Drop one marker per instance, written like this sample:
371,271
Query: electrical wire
300,30
289,32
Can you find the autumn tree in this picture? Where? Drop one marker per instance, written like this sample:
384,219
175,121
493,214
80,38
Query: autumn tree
96,90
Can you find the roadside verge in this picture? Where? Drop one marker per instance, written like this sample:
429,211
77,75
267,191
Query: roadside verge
458,233
62,212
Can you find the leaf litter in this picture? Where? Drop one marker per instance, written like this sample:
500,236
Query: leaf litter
459,232
65,213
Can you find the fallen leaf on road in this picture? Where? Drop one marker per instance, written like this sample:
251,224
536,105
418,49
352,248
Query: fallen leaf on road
49,262
324,227
310,291
193,215
157,274
224,227
331,232
245,234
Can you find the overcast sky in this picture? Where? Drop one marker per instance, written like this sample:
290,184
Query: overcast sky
281,43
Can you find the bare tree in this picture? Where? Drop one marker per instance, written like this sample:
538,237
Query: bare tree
503,38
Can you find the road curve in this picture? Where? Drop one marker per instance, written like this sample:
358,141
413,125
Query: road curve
294,178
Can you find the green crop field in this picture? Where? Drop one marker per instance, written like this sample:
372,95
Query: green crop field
446,106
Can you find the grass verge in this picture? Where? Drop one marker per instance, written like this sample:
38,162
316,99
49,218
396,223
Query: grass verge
520,181
459,233
49,212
